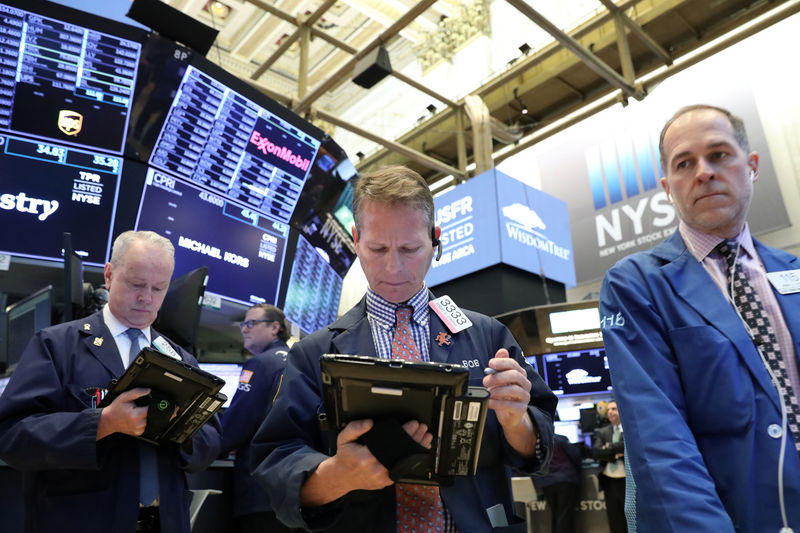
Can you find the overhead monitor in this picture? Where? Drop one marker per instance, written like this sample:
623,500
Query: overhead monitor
230,373
223,135
569,326
179,316
243,250
25,318
578,372
324,211
66,76
314,290
47,189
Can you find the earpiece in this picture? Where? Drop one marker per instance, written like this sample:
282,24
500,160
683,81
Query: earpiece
436,242
752,175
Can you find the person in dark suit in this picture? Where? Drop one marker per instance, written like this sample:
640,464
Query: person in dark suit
265,334
561,485
83,470
608,448
330,482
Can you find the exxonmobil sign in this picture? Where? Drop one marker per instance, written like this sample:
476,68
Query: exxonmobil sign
268,147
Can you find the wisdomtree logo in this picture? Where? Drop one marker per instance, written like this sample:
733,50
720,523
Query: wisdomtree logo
522,226
631,210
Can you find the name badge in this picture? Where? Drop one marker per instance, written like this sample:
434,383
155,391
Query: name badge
453,317
785,281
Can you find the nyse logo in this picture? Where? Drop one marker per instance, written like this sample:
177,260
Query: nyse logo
624,175
70,122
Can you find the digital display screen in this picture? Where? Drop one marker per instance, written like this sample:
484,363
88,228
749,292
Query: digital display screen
229,372
65,82
218,138
312,297
243,250
25,318
575,320
48,189
578,372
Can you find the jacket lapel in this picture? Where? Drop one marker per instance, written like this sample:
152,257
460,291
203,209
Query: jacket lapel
355,337
442,341
100,344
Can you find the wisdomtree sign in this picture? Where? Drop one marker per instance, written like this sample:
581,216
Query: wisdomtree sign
494,218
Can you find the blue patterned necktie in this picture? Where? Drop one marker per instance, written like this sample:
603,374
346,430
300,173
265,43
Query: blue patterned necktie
752,312
419,507
148,459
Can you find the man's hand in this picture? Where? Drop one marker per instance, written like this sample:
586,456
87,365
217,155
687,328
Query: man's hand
123,415
353,467
510,393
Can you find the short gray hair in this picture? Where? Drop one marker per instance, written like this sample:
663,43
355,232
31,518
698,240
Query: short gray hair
125,239
739,132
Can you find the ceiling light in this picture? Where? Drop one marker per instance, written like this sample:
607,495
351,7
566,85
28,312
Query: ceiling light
217,9
523,107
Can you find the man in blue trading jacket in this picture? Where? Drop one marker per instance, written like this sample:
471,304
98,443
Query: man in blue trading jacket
329,482
694,334
81,464
265,334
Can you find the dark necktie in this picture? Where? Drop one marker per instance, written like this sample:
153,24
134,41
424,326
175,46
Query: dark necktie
148,459
752,312
419,507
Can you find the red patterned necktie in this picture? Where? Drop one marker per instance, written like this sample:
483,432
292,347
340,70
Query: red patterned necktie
752,312
419,507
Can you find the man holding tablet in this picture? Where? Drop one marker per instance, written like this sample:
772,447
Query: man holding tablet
330,482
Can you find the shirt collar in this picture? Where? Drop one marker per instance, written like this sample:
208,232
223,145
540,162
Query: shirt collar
118,328
701,244
382,311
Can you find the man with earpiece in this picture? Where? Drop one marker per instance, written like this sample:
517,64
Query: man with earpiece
703,347
331,481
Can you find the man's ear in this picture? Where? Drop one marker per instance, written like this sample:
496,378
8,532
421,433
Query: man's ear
665,186
354,231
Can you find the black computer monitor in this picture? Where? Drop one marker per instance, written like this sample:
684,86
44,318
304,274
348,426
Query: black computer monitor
69,76
243,250
73,282
314,289
179,317
578,372
25,318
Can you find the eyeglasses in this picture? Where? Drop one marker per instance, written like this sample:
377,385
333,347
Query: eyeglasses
250,323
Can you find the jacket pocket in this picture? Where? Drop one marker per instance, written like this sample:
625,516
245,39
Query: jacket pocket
717,384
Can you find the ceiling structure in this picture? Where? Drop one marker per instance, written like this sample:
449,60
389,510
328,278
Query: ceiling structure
303,53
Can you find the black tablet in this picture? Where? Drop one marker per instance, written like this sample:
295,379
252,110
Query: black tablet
174,384
392,392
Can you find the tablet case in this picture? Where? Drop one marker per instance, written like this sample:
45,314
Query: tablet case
392,392
173,383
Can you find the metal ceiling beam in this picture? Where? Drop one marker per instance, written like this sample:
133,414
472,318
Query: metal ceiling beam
588,58
345,71
637,30
309,22
269,8
650,81
421,158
